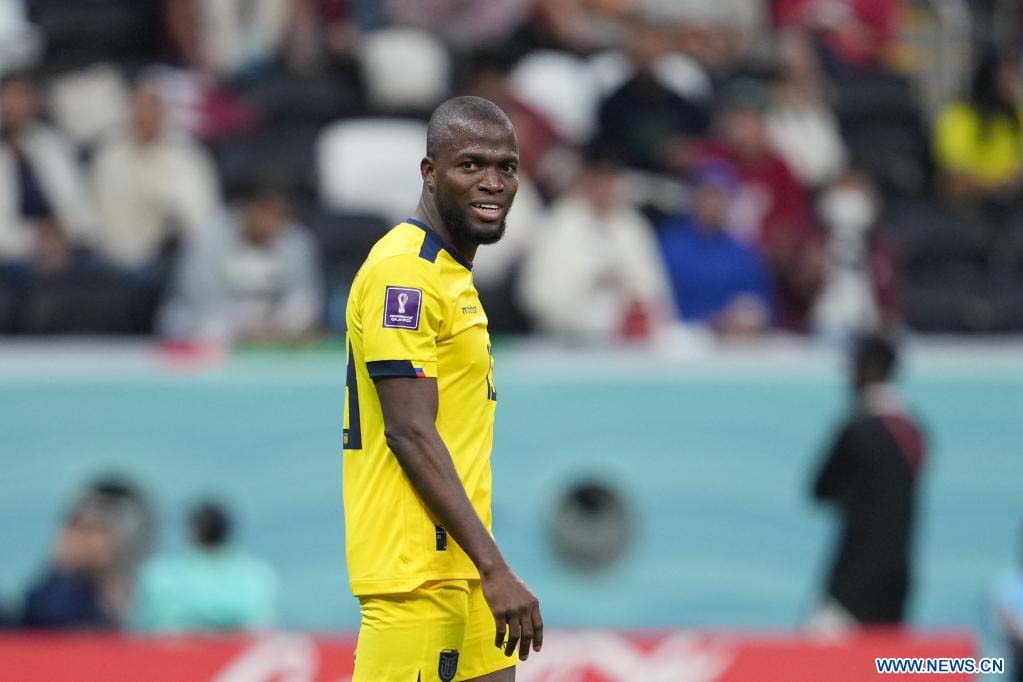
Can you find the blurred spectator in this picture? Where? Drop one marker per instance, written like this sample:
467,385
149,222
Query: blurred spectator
860,290
340,29
252,276
979,141
594,275
651,124
488,78
871,474
579,25
39,175
724,35
1008,608
772,204
66,289
151,187
89,580
465,26
211,587
231,38
800,122
20,41
717,280
856,34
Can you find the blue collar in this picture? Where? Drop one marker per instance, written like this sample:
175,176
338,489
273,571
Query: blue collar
434,239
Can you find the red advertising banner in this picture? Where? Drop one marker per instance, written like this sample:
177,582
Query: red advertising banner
567,656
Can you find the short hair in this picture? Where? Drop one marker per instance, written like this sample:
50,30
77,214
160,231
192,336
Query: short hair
460,110
210,523
126,509
877,353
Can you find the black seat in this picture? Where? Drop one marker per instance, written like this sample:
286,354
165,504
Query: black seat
284,155
345,240
79,303
84,32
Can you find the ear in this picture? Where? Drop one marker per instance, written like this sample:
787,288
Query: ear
429,172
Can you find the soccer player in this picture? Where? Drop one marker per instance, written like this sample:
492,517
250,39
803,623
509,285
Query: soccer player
438,599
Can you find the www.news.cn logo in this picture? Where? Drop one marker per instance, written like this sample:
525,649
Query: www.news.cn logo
940,665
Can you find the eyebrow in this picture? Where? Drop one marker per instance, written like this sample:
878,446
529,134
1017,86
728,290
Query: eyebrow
511,157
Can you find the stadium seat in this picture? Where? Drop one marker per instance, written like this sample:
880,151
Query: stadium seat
895,153
80,303
81,33
8,307
344,239
949,284
316,99
678,72
283,154
372,166
406,69
883,130
929,232
345,236
564,88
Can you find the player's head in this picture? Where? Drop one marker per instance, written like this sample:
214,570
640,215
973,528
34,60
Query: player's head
874,360
470,172
266,209
209,524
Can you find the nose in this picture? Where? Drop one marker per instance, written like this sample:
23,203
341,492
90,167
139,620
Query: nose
491,181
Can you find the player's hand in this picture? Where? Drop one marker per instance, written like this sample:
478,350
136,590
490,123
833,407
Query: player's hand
516,612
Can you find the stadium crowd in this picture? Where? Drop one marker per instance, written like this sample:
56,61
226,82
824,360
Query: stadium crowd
215,171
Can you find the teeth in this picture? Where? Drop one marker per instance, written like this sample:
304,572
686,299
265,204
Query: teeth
491,206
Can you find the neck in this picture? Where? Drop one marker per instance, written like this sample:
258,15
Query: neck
427,212
879,397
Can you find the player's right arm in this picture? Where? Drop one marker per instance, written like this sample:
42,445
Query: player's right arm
409,408
402,312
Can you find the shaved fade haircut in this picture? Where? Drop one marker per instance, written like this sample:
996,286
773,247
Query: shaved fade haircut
461,111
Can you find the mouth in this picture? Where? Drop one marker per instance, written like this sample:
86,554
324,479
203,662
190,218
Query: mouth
487,211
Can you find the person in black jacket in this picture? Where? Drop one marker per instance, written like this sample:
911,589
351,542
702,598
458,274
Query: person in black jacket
871,475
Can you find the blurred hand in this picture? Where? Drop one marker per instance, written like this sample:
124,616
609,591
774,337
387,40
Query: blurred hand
516,612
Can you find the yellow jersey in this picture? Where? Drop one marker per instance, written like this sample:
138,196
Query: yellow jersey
413,311
995,157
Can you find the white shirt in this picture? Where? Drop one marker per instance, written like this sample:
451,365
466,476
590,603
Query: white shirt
52,159
145,193
586,270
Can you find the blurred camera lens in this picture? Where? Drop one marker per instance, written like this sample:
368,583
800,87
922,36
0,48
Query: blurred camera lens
591,528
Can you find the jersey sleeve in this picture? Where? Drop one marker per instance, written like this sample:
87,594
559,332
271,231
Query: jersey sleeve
402,314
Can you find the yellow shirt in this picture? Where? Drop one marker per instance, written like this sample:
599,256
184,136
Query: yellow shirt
993,158
413,311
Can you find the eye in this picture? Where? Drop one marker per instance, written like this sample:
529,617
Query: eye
508,168
468,165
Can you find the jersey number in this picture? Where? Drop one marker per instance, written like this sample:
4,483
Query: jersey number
353,434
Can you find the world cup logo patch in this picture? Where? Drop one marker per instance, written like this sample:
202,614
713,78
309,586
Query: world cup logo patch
401,307
448,665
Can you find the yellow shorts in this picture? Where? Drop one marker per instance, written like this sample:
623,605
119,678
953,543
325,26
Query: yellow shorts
441,632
